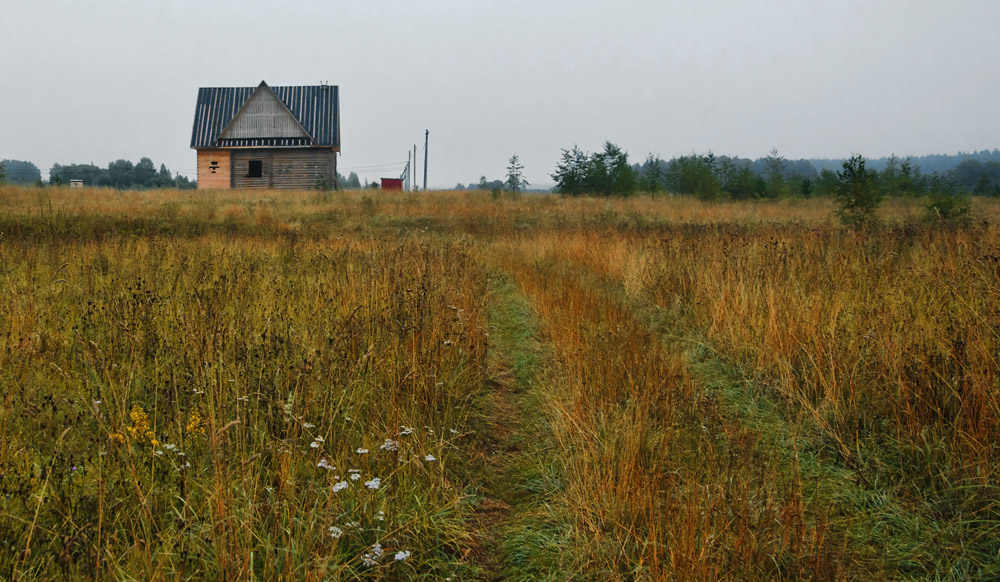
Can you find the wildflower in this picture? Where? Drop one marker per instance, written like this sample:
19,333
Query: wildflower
243,399
339,486
372,556
195,424
355,476
314,445
380,516
319,439
169,446
400,556
361,451
373,484
309,425
117,437
407,430
429,458
140,429
335,532
98,402
390,445
323,463
452,431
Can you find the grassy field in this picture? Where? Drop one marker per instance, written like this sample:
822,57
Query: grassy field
453,386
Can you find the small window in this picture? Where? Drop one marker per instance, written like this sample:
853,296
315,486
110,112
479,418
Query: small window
213,166
255,169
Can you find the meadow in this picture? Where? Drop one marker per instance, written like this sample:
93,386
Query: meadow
356,385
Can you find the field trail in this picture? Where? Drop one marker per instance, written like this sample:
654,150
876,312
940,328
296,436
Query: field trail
648,458
514,450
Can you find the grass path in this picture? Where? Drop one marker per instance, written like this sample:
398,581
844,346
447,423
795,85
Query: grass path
515,535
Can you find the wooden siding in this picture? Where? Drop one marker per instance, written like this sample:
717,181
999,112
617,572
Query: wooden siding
263,116
290,168
215,175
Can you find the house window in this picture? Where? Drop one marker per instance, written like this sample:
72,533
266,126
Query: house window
255,169
213,166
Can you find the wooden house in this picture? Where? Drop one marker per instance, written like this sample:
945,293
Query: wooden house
267,137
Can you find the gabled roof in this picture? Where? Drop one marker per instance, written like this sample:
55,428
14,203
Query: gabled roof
315,108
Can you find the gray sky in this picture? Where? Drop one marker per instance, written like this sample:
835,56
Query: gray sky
97,81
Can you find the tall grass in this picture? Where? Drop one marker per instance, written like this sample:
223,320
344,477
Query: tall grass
736,390
200,407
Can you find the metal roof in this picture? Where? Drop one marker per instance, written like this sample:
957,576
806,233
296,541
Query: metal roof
316,107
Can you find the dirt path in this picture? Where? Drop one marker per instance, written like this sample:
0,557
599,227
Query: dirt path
515,450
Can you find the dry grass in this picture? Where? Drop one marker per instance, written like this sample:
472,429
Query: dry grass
736,390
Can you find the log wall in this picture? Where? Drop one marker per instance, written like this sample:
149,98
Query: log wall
286,168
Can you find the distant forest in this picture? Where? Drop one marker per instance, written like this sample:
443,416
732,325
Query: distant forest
709,175
121,174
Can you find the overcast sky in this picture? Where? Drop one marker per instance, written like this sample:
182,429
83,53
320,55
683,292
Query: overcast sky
97,81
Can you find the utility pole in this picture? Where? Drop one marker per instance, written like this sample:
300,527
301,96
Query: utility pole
407,184
427,134
414,166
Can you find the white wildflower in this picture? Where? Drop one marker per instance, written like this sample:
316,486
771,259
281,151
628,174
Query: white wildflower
355,476
319,439
390,445
325,464
373,484
407,430
380,516
361,451
314,445
335,532
169,447
429,458
309,425
400,556
374,554
452,431
340,486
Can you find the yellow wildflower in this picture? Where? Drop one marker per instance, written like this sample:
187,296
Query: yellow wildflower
195,424
140,429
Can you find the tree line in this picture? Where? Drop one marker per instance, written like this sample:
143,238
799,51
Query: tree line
708,176
120,174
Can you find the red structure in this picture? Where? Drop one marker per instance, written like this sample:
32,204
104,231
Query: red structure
392,184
